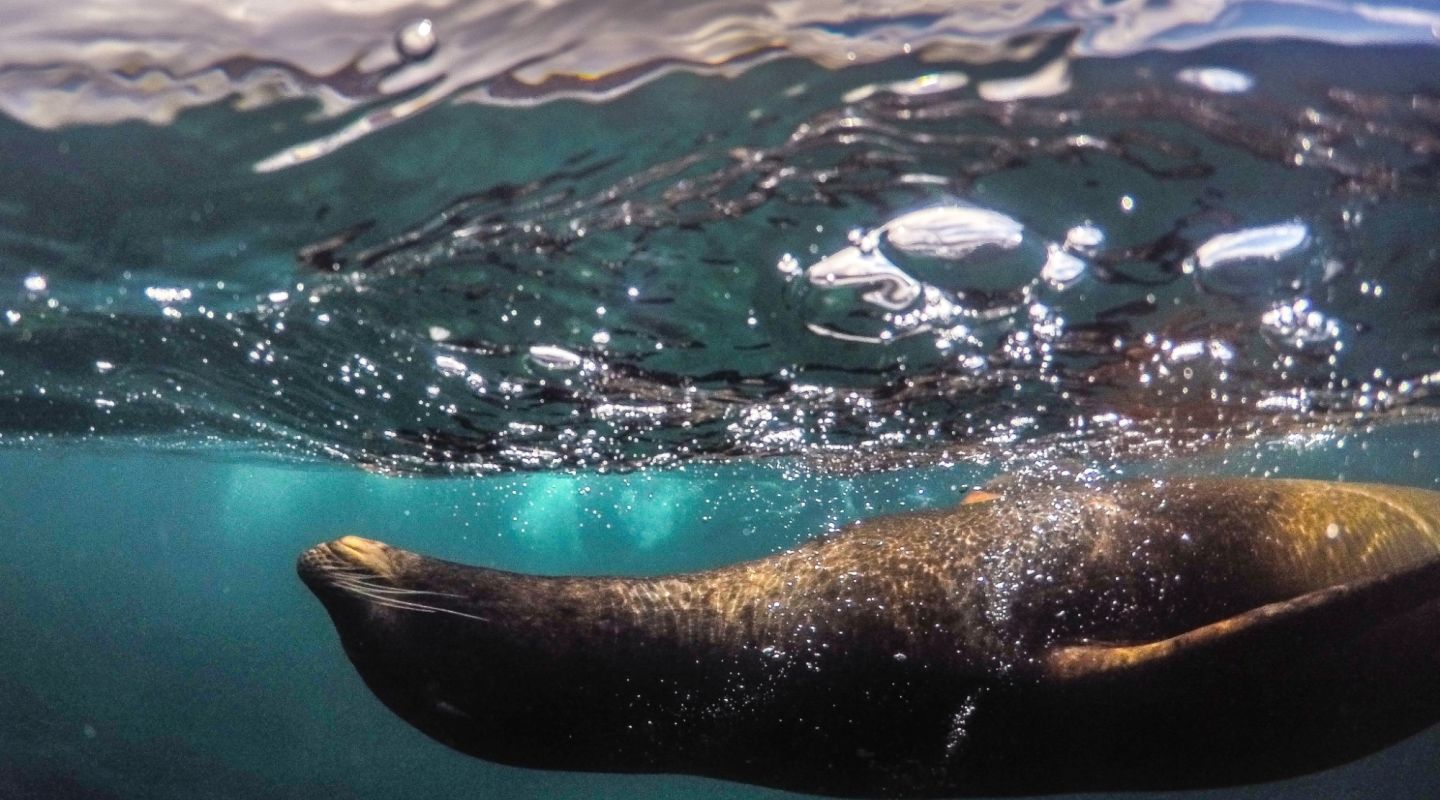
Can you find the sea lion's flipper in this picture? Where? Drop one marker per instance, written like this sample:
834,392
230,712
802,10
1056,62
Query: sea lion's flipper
1333,615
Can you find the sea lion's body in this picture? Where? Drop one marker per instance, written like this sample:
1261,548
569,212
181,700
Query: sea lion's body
1149,634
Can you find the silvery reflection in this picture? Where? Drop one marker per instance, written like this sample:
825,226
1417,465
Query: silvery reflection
933,83
1255,261
1271,242
556,358
183,54
852,267
1084,237
952,232
907,307
1061,268
1049,81
1216,79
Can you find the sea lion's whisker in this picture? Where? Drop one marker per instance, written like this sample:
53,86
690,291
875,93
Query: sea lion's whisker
397,590
408,606
381,599
369,594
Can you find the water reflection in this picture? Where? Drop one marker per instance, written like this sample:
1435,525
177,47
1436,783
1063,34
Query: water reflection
890,258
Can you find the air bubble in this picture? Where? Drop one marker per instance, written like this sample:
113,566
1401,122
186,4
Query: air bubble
417,40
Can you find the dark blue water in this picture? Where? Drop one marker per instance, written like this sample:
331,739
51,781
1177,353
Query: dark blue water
589,288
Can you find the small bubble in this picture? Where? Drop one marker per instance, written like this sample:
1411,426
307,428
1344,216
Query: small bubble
1332,531
416,40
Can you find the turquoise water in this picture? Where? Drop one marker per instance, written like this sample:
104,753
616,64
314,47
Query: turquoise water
158,645
584,288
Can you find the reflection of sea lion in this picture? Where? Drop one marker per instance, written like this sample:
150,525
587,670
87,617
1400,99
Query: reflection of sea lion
1148,634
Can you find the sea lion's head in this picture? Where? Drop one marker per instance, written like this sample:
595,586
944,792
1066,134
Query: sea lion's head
350,569
379,596
444,646
362,583
395,611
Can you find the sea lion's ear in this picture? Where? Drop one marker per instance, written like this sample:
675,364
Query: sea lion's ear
993,489
1269,632
1055,471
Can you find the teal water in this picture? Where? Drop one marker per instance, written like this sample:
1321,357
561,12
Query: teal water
157,644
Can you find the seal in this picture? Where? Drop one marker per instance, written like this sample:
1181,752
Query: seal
1155,634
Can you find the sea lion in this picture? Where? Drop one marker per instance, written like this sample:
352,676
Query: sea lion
1149,634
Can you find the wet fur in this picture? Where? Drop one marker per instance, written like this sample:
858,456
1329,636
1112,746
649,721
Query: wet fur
914,655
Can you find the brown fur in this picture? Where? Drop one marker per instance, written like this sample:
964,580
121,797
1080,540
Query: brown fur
1145,634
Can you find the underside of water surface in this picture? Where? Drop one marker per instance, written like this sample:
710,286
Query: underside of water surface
920,241
616,287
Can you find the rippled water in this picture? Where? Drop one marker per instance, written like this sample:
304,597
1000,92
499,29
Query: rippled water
548,241
1047,225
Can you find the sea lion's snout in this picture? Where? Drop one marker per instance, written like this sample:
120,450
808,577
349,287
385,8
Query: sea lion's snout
348,556
366,554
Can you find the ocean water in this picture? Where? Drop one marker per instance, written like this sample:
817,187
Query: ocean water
607,287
